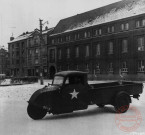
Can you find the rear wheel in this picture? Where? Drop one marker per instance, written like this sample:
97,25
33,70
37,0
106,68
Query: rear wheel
100,105
122,103
36,113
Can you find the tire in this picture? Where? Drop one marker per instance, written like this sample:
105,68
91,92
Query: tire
122,103
100,105
35,113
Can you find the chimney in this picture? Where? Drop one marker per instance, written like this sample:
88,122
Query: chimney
11,38
46,28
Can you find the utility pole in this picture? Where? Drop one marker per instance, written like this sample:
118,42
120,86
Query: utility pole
41,43
41,64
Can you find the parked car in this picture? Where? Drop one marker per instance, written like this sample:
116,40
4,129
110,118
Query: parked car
70,91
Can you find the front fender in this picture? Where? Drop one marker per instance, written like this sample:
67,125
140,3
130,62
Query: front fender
42,97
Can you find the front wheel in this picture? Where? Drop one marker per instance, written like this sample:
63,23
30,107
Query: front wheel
36,113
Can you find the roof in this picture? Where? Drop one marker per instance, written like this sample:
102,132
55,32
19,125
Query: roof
66,73
21,37
29,34
109,13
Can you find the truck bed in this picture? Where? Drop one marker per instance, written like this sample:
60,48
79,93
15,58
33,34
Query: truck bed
105,92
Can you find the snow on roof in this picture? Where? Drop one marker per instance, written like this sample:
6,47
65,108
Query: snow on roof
27,35
116,11
21,37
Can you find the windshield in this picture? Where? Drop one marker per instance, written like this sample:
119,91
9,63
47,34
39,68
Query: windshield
58,80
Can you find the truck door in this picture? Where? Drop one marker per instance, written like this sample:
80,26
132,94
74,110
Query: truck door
75,92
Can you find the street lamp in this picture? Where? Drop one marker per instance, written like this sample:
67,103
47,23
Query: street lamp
41,40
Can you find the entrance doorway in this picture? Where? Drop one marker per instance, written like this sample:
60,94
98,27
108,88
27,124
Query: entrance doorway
52,72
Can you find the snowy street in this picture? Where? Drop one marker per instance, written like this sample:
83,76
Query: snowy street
93,121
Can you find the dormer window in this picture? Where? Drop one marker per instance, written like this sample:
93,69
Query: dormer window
124,26
87,34
110,29
96,32
137,24
143,22
100,31
77,36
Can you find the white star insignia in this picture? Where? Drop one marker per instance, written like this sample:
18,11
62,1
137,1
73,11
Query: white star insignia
74,94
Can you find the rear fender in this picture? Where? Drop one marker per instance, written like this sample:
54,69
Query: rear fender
120,93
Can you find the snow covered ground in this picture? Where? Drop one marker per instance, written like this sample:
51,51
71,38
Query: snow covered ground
93,121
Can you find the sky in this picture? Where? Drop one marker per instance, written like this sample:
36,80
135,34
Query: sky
18,16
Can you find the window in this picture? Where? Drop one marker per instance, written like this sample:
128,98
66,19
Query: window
45,39
77,36
76,67
77,51
87,34
44,61
52,41
110,51
140,43
127,26
68,37
100,31
124,45
97,68
124,67
52,55
36,40
143,22
141,66
140,23
96,32
98,49
59,54
108,29
111,67
44,51
137,24
68,53
87,51
111,29
17,62
68,67
122,27
36,50
61,39
36,61
87,67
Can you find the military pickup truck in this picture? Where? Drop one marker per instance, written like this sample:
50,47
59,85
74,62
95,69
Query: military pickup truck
70,91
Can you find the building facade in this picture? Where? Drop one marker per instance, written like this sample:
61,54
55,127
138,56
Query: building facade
108,42
4,62
25,56
35,58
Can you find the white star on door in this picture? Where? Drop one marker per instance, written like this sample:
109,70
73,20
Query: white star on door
74,94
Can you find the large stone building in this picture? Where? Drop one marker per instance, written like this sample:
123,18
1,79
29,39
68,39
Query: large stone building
4,62
107,42
25,56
